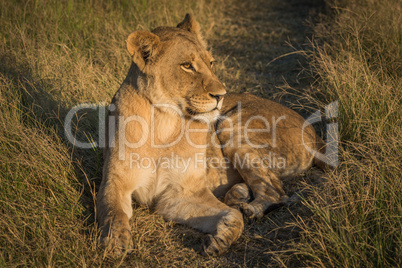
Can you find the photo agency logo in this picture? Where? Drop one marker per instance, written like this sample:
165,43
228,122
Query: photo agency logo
147,128
330,157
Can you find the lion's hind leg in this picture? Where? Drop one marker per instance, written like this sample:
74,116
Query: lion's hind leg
203,211
266,192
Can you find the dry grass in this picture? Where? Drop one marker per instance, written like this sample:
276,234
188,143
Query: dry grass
357,212
56,54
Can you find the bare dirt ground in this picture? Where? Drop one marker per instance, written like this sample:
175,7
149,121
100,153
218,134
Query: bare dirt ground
260,43
256,46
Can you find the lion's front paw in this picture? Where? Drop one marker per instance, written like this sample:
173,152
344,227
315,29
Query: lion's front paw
228,230
214,246
118,239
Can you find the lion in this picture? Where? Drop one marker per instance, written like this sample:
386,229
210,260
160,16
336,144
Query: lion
170,119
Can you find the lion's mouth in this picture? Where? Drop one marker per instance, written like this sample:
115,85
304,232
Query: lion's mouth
192,112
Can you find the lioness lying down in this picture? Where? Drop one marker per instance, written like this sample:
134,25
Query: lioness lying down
162,123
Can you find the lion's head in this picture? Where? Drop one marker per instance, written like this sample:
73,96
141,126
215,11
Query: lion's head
176,69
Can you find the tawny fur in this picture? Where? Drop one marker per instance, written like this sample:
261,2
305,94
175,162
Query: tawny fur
256,129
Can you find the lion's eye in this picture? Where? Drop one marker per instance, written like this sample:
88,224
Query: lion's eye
188,66
213,63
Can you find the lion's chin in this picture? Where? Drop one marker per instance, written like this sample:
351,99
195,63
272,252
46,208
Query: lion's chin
206,117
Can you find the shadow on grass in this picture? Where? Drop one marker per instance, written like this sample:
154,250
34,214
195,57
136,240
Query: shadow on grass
43,110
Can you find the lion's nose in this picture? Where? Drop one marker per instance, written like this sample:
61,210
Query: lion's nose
218,97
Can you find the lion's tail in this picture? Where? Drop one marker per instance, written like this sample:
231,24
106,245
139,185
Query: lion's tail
318,161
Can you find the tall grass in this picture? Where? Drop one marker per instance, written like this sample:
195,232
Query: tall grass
358,212
40,194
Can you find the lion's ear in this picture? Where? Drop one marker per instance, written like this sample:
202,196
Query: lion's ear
190,24
142,46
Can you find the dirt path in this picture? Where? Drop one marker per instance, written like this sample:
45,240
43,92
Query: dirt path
256,47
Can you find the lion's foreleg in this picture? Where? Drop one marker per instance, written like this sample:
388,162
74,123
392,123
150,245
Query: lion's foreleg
113,214
203,211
